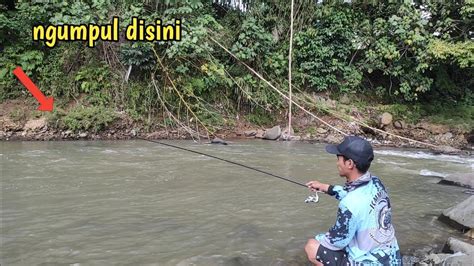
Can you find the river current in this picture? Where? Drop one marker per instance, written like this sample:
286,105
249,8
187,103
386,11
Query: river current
135,202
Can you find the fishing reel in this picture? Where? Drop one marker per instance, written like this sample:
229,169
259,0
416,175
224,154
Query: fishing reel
312,198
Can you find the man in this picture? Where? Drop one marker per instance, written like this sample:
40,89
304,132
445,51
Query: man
363,233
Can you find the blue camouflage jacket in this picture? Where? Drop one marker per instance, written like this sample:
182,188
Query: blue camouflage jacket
363,226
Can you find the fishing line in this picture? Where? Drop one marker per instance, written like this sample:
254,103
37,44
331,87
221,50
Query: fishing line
225,160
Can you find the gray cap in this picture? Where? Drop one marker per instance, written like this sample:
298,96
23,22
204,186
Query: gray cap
355,148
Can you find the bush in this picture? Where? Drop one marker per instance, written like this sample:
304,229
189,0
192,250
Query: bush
81,118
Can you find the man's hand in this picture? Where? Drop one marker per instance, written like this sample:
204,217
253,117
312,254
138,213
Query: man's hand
317,186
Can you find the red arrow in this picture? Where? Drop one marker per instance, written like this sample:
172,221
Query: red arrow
46,103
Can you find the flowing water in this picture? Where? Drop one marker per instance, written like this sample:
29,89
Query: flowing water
135,202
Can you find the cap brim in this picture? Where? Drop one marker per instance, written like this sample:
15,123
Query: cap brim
332,149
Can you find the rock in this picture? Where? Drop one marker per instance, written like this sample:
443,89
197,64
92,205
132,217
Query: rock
354,128
321,131
457,245
434,259
35,124
445,259
273,133
260,134
133,132
446,149
285,135
470,137
446,137
399,124
295,138
217,140
458,259
345,99
385,119
7,124
465,180
470,233
250,133
83,135
460,216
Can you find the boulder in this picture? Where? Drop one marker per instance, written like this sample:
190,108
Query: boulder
217,140
457,245
446,259
295,138
459,259
272,133
435,259
385,119
83,135
250,133
460,216
399,124
470,233
35,124
465,179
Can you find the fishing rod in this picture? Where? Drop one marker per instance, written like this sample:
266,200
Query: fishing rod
311,198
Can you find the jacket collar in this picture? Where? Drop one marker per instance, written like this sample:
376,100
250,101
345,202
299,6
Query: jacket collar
362,180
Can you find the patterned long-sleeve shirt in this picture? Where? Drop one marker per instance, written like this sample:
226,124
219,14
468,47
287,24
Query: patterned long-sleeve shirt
363,225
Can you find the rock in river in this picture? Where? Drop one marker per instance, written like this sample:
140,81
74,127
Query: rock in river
272,133
460,216
462,179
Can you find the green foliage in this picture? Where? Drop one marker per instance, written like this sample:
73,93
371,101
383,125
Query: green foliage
322,51
139,55
140,98
456,116
83,118
461,52
252,42
95,82
396,52
260,118
459,115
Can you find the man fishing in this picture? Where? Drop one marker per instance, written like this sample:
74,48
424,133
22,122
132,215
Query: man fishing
363,233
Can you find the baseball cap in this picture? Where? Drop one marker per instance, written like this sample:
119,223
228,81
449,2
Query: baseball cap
355,148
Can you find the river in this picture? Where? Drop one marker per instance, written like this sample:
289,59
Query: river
135,202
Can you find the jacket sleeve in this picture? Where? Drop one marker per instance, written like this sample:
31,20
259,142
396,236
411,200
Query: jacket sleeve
337,191
341,234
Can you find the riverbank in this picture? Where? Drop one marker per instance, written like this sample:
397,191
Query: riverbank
20,121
